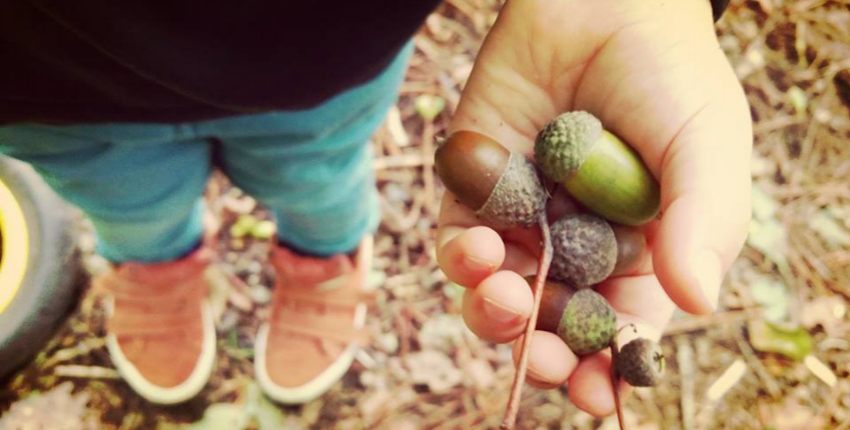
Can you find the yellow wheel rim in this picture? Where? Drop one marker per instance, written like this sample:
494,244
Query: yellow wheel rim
13,263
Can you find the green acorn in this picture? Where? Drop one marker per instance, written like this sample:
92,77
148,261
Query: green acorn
641,363
502,187
583,319
597,168
584,249
588,323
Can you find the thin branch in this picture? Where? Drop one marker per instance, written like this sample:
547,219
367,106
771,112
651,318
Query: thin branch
539,282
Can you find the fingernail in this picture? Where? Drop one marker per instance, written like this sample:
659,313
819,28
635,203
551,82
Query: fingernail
707,270
537,375
477,264
500,313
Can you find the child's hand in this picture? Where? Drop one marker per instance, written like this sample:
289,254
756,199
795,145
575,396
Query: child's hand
652,72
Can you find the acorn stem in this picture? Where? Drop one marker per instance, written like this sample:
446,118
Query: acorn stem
539,282
615,381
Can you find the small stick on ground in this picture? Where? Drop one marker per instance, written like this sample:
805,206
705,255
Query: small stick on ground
539,281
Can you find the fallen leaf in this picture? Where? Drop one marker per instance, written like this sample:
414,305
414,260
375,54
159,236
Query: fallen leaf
441,332
56,409
794,343
223,416
792,415
434,369
826,311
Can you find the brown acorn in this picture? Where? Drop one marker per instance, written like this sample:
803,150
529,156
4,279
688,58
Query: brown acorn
641,363
631,247
502,187
584,249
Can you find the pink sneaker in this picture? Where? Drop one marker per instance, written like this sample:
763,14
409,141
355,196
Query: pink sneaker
316,324
160,330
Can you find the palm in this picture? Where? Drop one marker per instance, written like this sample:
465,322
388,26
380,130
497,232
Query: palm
632,64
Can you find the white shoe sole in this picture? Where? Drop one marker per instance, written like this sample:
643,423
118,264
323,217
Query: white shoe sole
168,395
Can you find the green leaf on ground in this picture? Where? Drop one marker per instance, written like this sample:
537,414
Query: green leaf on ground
794,343
429,106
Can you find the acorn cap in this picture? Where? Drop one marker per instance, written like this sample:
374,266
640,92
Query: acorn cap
564,143
641,363
588,323
517,198
584,249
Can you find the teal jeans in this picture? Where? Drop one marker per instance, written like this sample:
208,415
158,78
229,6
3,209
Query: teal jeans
141,184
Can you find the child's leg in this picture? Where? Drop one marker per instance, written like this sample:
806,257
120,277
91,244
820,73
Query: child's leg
142,195
313,168
141,187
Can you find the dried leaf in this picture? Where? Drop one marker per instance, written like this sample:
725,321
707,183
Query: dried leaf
442,332
792,415
794,343
826,311
223,416
56,409
434,369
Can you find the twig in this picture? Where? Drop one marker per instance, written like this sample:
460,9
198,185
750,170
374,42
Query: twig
539,281
86,372
399,161
695,323
615,383
428,166
769,382
685,358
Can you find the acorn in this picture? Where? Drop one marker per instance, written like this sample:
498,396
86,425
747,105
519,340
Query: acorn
584,249
502,187
641,363
631,247
597,169
583,319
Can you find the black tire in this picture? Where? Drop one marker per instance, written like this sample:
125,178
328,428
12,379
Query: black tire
52,271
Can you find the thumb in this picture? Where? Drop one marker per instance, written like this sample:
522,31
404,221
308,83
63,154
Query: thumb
706,209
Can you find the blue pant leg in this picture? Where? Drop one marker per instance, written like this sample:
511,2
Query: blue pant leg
313,168
143,197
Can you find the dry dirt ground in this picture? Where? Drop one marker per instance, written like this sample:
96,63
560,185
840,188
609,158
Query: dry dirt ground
775,356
